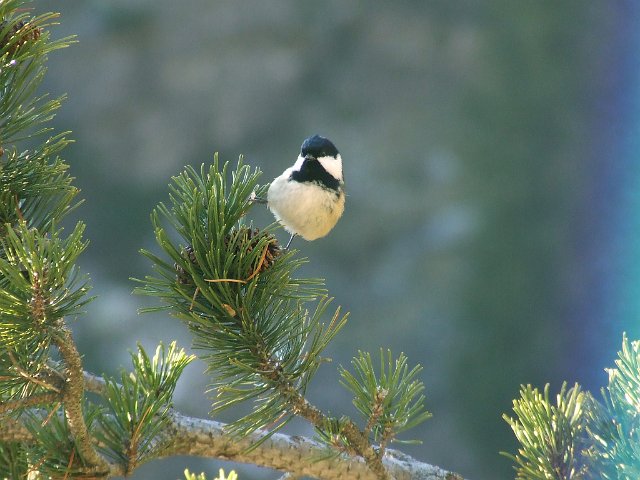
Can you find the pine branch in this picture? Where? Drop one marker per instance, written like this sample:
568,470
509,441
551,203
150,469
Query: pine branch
356,439
579,437
201,437
551,435
37,399
38,277
138,407
259,328
34,184
73,398
304,409
613,425
250,319
185,435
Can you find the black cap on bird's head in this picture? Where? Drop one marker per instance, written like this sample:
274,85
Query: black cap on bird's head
319,162
317,146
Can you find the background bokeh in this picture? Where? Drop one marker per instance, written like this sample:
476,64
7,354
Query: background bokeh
490,156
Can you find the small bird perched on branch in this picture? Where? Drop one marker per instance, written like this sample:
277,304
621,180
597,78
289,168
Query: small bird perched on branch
308,198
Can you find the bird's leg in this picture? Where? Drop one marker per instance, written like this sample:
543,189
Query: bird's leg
289,242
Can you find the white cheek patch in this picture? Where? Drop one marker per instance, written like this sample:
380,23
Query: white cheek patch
332,165
298,165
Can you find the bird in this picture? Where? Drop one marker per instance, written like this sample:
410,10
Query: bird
308,197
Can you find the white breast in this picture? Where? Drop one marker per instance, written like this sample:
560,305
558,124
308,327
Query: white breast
306,209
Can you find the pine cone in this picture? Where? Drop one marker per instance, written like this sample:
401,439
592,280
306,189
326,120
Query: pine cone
183,277
24,31
249,239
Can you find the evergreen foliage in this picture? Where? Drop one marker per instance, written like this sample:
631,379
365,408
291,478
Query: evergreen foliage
138,407
41,288
250,322
35,186
57,454
260,329
221,476
398,402
580,437
551,435
614,423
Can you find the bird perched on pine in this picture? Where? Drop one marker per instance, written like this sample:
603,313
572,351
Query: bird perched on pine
308,197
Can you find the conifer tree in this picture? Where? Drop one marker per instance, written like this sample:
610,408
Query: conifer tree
260,329
579,437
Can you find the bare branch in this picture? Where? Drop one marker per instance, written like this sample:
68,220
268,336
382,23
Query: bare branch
94,383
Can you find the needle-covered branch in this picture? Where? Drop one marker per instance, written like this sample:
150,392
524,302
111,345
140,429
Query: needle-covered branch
137,407
577,436
260,329
296,455
35,186
183,435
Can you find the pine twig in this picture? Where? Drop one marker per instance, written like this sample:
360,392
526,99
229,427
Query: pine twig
357,439
94,383
300,406
207,438
29,377
73,396
31,401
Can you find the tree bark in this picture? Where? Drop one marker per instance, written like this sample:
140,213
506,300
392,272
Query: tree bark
294,454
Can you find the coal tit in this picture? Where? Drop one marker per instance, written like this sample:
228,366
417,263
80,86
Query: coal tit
308,198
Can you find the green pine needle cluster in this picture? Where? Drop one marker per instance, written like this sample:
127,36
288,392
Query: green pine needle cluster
39,283
614,424
551,435
234,286
221,475
216,257
137,407
39,286
391,399
13,461
41,289
579,437
35,186
57,455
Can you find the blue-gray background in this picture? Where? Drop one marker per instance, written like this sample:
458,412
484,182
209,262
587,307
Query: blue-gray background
474,159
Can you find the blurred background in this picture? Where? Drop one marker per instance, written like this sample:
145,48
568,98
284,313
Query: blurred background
490,154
